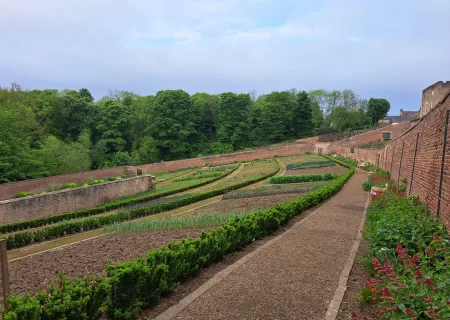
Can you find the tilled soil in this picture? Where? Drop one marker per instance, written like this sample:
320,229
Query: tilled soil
335,169
356,280
87,257
296,276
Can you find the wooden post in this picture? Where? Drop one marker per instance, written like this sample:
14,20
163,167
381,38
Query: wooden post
5,272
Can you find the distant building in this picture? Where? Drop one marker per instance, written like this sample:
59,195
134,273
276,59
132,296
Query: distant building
432,95
403,117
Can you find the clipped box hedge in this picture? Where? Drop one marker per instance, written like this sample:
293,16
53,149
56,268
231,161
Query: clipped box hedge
138,283
302,178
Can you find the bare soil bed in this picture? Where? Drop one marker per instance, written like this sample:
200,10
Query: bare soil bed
87,257
356,280
336,169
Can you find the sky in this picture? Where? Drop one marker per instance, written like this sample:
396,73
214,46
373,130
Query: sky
383,49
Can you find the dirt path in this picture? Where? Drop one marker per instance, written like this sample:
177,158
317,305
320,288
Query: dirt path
293,277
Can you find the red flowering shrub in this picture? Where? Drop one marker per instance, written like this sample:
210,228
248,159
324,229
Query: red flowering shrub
410,261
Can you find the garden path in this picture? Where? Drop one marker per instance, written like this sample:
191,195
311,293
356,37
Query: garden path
293,276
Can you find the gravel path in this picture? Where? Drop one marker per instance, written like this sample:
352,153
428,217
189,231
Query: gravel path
296,276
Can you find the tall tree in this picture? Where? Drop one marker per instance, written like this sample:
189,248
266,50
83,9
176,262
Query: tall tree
172,125
302,118
377,109
234,119
276,114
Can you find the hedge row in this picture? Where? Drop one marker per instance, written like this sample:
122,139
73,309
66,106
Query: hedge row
21,239
82,213
302,178
139,283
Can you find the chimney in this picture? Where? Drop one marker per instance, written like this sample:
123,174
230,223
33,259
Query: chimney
401,112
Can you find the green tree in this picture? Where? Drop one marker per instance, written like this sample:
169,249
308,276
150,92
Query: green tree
234,119
113,125
59,157
147,151
377,109
302,116
172,124
277,112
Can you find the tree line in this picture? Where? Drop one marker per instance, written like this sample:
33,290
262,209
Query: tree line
50,132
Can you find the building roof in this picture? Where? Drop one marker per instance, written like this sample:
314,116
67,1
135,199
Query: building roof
406,116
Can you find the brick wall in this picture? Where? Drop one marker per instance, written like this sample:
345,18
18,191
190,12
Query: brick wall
9,190
424,174
358,154
229,157
432,95
33,207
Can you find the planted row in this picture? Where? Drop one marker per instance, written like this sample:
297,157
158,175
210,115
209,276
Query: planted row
21,239
409,259
139,283
39,222
302,178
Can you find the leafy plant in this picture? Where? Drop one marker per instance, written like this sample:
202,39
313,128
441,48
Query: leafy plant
22,194
367,185
70,185
302,178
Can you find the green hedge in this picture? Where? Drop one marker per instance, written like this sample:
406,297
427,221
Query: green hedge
82,213
139,283
302,178
24,238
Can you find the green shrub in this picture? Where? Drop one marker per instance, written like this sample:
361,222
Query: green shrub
111,179
301,178
309,165
22,194
367,185
70,185
43,192
84,184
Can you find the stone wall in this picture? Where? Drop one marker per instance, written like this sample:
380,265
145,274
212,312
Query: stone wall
419,156
66,200
9,190
432,95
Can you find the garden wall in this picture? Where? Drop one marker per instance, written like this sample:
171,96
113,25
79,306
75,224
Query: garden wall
229,157
419,155
358,154
9,190
66,200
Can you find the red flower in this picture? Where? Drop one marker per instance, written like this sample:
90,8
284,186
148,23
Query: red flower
354,315
418,274
408,311
428,299
428,281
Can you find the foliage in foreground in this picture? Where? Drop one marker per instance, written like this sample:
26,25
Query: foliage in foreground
409,259
140,283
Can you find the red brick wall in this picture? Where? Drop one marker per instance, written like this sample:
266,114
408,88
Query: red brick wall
358,154
424,180
229,157
9,190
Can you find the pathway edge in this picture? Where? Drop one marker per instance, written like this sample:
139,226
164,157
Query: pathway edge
335,304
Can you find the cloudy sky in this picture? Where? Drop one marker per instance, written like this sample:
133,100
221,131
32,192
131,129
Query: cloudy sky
382,48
